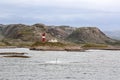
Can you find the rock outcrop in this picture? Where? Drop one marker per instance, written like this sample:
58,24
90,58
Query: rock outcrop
60,32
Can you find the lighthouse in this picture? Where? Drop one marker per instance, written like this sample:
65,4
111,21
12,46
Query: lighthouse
43,37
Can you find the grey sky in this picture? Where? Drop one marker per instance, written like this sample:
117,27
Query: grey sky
104,14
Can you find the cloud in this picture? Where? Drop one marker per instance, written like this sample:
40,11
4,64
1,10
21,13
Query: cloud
91,4
70,12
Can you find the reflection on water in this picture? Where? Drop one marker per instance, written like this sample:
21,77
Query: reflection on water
61,65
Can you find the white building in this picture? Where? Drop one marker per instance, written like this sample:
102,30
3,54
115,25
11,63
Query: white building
53,40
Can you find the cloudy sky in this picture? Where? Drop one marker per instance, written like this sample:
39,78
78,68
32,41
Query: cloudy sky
104,14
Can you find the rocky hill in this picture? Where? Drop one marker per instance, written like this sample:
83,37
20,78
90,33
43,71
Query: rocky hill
89,35
33,33
18,31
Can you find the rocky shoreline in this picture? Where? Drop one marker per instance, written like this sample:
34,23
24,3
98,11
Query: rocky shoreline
56,48
81,50
14,54
48,48
111,49
8,46
11,53
106,48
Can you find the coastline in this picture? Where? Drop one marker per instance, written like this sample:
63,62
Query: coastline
48,48
65,48
13,54
74,48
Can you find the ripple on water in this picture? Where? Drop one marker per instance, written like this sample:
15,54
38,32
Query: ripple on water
45,65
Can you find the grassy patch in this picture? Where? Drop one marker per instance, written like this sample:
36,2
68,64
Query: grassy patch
23,44
5,43
58,44
114,43
93,45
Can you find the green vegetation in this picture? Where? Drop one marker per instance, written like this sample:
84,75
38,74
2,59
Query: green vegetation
15,43
26,34
23,44
117,43
6,43
2,44
26,31
93,45
58,44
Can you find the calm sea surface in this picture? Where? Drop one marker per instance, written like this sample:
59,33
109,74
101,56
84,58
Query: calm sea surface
61,65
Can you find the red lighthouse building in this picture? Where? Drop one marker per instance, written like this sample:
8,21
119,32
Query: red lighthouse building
43,37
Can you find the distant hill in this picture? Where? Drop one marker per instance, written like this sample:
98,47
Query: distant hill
33,33
113,34
89,34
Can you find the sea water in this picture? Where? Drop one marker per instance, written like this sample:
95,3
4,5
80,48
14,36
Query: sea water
61,65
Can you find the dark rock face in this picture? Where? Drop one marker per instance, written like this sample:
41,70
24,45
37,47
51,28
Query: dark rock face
1,29
60,32
89,34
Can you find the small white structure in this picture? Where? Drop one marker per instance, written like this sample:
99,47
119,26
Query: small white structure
53,40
